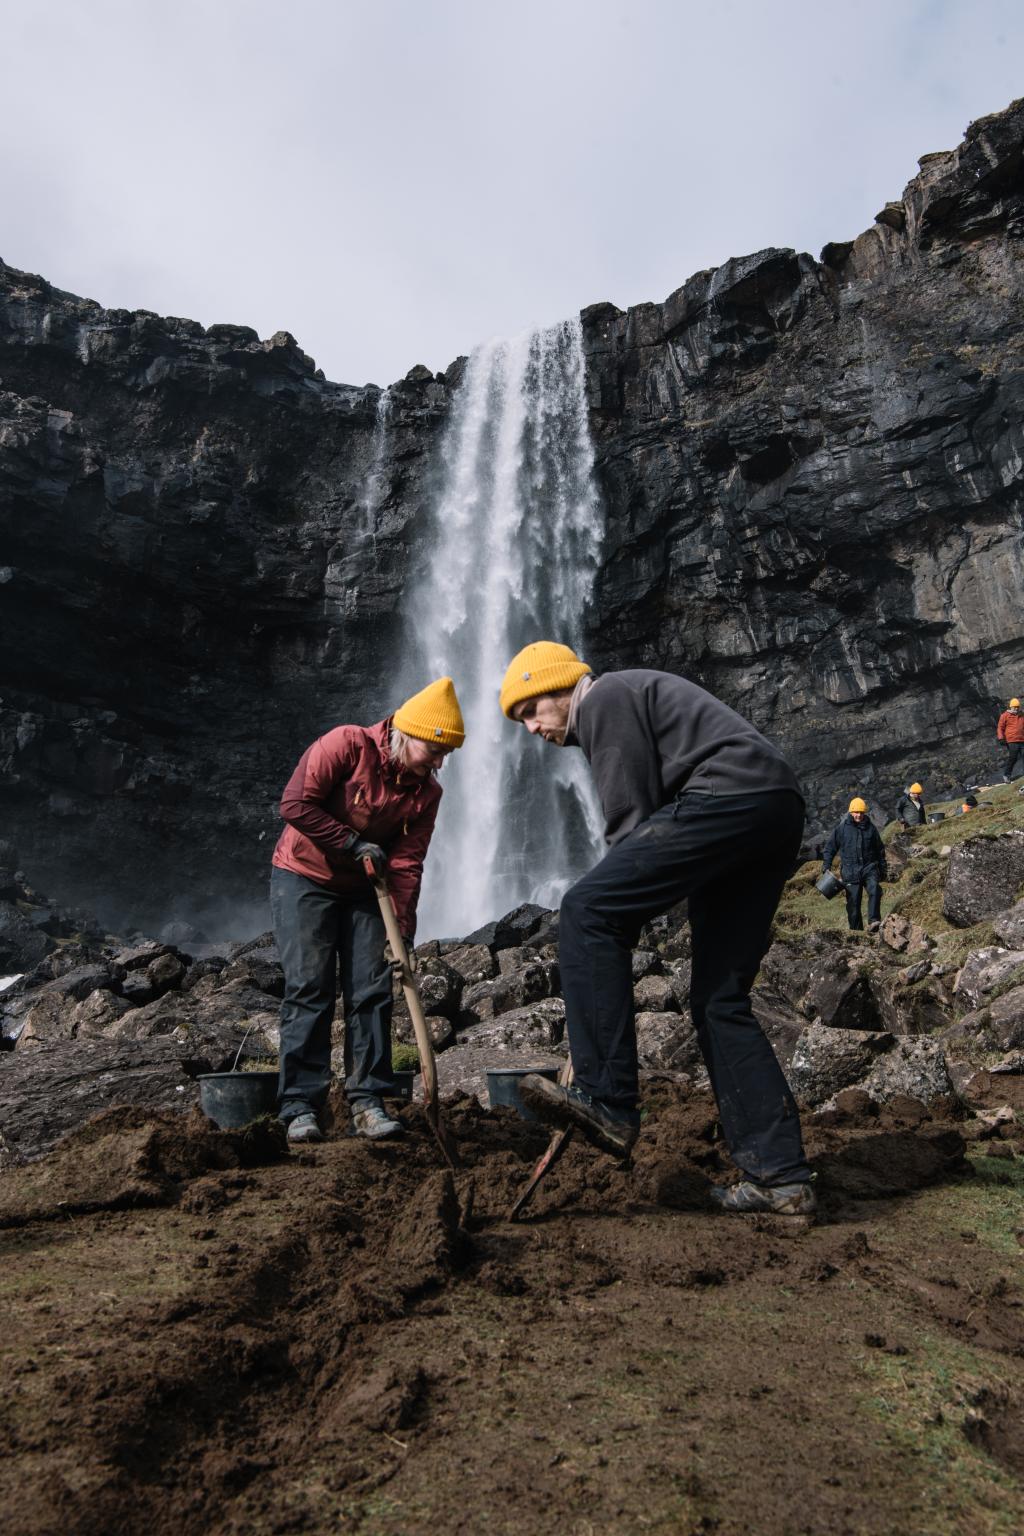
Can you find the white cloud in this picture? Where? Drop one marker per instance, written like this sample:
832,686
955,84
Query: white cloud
395,182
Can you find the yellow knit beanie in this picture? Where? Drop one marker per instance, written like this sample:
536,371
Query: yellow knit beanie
433,715
543,667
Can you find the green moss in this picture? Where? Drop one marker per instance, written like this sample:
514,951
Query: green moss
404,1058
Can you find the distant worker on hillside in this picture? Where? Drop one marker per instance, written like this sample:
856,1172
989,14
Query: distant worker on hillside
910,808
359,792
697,804
1010,731
861,863
970,803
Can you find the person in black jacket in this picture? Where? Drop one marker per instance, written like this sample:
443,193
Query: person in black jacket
697,804
910,807
861,863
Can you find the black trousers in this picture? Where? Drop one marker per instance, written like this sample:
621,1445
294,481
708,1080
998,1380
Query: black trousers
1014,760
315,929
730,855
868,881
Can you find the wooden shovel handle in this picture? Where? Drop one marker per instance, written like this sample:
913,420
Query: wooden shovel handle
424,1045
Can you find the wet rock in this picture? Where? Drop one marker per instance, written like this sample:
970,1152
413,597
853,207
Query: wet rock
255,969
488,999
910,1001
439,1028
827,1059
473,962
915,1068
137,956
99,1010
656,994
646,963
983,971
1008,926
512,929
998,1026
165,973
81,981
213,965
539,1025
22,944
668,1042
59,1084
984,878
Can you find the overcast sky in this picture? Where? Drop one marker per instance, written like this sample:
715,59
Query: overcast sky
396,180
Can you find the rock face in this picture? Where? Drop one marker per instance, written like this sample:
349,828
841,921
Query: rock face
812,474
985,875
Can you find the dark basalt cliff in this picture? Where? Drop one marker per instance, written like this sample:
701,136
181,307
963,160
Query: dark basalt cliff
812,472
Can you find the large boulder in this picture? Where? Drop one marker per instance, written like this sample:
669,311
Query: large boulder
667,1042
22,943
514,928
984,877
488,999
58,1085
910,1001
984,971
1008,926
540,1026
828,1060
823,977
656,995
998,1026
473,962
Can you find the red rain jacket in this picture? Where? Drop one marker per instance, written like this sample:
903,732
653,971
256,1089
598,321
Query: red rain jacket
1011,727
347,782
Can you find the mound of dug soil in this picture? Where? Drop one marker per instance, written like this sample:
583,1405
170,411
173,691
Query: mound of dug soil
353,1339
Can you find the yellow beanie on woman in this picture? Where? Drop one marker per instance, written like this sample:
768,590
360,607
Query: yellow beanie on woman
433,715
543,667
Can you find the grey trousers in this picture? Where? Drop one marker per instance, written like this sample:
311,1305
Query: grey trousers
315,929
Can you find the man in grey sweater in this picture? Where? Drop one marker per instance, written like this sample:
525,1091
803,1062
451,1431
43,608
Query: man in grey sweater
697,804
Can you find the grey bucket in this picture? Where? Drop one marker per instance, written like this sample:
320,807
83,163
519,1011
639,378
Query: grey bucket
828,885
503,1087
937,816
234,1099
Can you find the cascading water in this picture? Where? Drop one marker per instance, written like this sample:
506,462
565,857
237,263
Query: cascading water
516,539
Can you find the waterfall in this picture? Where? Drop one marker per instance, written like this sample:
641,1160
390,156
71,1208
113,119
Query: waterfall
376,480
515,541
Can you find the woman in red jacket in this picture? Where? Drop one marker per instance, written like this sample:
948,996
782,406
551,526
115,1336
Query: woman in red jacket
358,792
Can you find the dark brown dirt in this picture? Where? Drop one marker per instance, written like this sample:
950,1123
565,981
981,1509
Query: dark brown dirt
353,1339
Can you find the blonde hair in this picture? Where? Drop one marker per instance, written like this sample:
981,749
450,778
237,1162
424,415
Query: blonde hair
398,741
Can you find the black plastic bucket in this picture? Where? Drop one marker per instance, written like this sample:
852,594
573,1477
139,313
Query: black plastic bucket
937,816
234,1099
503,1087
828,885
401,1086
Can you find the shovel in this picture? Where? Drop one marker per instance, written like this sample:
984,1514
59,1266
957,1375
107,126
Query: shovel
424,1045
556,1146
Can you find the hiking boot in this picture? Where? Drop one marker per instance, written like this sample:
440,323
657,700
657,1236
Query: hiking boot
304,1128
371,1121
748,1198
874,925
613,1130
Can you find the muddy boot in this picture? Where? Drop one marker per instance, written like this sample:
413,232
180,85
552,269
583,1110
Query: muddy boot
369,1120
749,1199
304,1128
613,1130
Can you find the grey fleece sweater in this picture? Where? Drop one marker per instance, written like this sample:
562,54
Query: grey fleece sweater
647,735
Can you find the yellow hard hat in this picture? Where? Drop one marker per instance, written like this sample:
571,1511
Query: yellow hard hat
857,804
915,789
1015,703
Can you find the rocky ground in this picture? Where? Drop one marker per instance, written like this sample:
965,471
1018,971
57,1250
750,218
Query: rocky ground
209,1333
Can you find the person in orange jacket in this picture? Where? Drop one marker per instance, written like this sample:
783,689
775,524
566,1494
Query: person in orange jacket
358,793
1010,731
